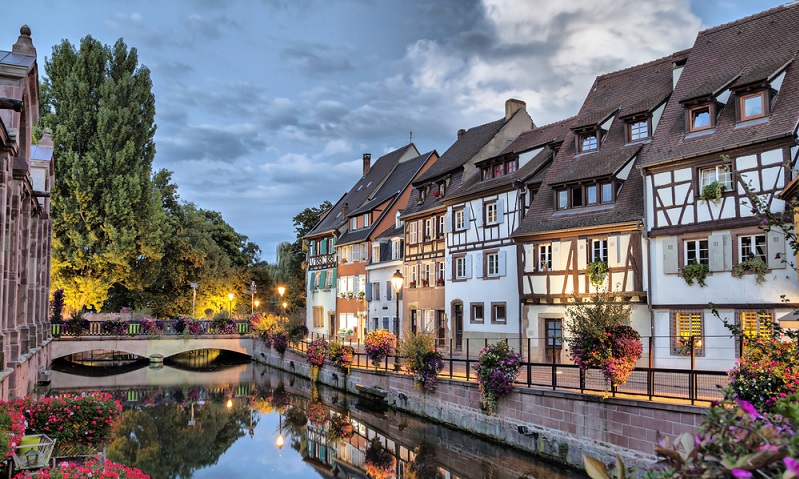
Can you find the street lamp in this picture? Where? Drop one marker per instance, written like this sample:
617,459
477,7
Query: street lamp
281,290
279,441
230,304
397,281
257,303
251,292
194,300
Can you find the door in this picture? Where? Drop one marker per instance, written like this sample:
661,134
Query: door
458,315
413,321
554,340
441,326
331,321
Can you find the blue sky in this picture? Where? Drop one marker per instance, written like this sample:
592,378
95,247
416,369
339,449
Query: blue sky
264,107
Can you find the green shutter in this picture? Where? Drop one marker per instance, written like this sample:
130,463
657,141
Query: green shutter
334,277
322,276
324,246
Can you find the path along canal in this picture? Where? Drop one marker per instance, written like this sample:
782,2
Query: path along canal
215,418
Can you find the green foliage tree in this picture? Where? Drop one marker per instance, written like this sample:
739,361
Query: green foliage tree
294,256
108,224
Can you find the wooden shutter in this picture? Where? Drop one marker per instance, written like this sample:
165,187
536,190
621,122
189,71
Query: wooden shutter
389,287
467,216
557,264
333,277
322,277
448,269
500,210
614,256
368,291
468,266
775,249
478,260
323,246
670,261
582,254
501,261
311,280
720,252
448,222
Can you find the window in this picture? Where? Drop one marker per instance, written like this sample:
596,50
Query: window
588,142
460,219
389,290
491,213
366,220
354,223
752,106
422,194
754,325
577,197
563,199
460,267
498,313
752,246
696,251
412,232
440,273
545,257
478,313
318,317
313,248
721,174
511,166
498,170
375,252
554,333
492,264
685,325
414,276
599,250
638,130
590,195
699,118
442,187
428,230
396,249
607,192
441,225
375,291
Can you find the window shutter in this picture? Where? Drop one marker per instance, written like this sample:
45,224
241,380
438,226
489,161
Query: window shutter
448,222
468,266
448,269
466,216
582,255
556,263
775,249
332,242
388,290
376,292
478,220
311,280
500,210
502,268
717,244
613,256
670,262
322,277
323,246
368,292
478,260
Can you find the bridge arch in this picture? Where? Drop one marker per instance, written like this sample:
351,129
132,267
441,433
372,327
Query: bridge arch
144,346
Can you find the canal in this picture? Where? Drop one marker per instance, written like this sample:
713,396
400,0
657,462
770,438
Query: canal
215,416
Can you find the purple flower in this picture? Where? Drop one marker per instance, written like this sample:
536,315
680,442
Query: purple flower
741,474
792,465
747,407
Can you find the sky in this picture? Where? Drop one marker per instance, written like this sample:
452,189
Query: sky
265,107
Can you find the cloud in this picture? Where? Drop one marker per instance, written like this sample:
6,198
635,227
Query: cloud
317,58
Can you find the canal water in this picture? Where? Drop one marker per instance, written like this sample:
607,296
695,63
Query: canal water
217,418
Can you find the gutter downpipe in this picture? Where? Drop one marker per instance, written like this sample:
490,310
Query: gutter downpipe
648,275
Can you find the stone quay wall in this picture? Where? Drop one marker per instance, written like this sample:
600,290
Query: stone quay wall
556,425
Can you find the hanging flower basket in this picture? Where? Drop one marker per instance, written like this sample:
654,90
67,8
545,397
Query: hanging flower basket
380,344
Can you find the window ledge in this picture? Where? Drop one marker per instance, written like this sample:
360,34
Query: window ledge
700,133
752,122
584,209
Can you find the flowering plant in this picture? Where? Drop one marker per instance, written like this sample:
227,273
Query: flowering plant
316,356
151,326
115,327
316,413
600,337
425,283
768,371
424,465
378,461
424,361
280,342
379,345
341,355
340,427
87,419
94,468
497,368
12,428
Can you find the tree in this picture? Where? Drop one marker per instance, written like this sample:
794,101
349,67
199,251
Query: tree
294,256
108,223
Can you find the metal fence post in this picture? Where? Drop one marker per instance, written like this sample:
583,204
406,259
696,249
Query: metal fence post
554,369
451,352
529,366
650,374
692,374
468,363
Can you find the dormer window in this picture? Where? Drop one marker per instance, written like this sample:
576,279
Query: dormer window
442,188
366,220
587,142
498,170
752,106
591,194
638,130
511,166
422,194
701,118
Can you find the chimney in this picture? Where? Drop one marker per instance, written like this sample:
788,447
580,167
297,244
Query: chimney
47,139
24,45
367,163
513,105
345,210
461,132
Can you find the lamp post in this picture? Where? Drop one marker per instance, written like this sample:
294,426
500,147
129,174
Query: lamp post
281,290
194,300
397,281
251,292
257,303
279,441
230,304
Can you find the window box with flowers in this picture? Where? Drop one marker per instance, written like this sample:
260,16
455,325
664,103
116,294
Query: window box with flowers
440,282
361,295
754,265
427,238
425,283
412,284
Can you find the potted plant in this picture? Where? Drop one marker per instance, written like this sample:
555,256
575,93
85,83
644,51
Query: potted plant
597,271
316,357
712,192
379,345
497,368
350,295
440,282
695,271
361,295
753,264
425,283
426,238
412,284
422,360
341,355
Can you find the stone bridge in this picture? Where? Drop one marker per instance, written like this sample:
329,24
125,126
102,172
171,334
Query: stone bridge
153,347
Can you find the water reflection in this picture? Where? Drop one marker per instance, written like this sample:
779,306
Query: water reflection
231,425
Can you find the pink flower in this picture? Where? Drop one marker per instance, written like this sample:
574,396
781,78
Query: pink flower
747,407
741,474
792,465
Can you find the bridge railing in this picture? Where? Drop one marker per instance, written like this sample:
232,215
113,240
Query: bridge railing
147,328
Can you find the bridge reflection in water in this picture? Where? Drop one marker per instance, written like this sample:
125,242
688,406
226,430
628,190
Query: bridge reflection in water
226,422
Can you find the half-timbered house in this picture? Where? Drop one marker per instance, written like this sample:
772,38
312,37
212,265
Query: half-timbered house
484,211
729,132
587,218
425,302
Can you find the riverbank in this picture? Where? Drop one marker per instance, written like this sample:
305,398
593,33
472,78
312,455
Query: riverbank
557,425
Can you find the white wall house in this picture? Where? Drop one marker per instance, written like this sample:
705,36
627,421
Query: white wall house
380,295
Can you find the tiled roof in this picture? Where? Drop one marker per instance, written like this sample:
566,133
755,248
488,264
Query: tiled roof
39,152
391,232
541,137
431,202
625,90
361,190
463,150
747,50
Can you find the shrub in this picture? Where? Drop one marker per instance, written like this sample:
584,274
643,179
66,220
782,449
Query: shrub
497,368
94,468
423,360
341,355
57,307
115,327
768,371
753,264
379,462
12,428
380,344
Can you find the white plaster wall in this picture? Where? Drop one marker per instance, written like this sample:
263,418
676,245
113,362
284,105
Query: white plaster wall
382,273
319,297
